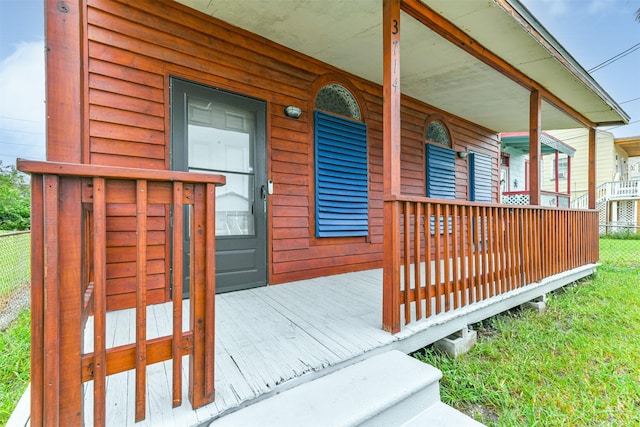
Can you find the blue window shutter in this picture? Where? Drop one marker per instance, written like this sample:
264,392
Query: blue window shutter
441,172
441,179
480,177
341,176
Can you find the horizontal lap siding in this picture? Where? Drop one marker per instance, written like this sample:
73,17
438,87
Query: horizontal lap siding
135,45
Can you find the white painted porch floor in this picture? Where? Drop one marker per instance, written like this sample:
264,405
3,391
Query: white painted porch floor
273,338
266,339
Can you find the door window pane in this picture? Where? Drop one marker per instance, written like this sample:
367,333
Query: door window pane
234,202
220,140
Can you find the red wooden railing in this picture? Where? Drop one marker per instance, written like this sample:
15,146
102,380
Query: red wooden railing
457,253
70,204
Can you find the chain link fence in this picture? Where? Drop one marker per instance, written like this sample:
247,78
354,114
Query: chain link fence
621,249
15,275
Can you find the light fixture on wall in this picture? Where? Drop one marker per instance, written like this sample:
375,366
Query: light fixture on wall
462,154
293,112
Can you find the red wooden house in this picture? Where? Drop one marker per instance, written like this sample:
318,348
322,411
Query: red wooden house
202,147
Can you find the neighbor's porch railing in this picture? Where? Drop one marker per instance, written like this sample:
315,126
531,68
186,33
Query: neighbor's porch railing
453,254
614,190
70,206
547,198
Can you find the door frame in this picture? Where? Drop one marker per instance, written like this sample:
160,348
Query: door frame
260,158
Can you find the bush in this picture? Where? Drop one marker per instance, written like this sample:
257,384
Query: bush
15,209
627,234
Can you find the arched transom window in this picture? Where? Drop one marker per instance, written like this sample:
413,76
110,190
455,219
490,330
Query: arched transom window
336,99
437,132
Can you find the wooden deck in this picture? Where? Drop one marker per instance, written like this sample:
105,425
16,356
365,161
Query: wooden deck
266,340
273,338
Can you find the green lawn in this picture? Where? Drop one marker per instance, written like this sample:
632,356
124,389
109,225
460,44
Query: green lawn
15,345
578,364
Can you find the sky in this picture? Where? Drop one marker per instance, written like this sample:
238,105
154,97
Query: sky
592,31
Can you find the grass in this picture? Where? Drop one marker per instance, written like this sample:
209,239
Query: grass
622,253
578,364
15,344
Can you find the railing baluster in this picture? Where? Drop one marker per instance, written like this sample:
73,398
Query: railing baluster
178,274
515,262
427,258
479,265
491,252
446,257
438,256
470,268
501,250
100,301
542,244
524,248
407,262
508,249
464,279
141,299
417,227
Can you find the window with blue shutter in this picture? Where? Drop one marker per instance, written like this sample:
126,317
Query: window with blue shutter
480,185
440,179
441,172
341,176
480,177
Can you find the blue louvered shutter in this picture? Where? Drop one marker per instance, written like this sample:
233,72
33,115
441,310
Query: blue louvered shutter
480,177
341,176
441,172
441,179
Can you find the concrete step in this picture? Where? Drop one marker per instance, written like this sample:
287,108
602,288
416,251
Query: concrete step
390,389
442,415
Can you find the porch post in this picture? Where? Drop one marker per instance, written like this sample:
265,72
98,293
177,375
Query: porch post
391,162
65,96
556,164
535,125
569,175
592,168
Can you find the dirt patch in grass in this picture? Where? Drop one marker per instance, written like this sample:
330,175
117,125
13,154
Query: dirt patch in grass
13,303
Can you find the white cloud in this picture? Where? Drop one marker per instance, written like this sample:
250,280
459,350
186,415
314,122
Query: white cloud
22,107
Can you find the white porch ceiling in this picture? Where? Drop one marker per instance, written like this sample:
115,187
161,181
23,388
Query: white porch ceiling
348,35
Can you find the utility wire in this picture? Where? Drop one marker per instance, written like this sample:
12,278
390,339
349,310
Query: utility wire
22,120
615,58
582,136
616,127
628,100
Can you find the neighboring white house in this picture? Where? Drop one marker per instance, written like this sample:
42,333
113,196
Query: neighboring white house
618,185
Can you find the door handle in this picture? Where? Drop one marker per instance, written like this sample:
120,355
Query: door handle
263,195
